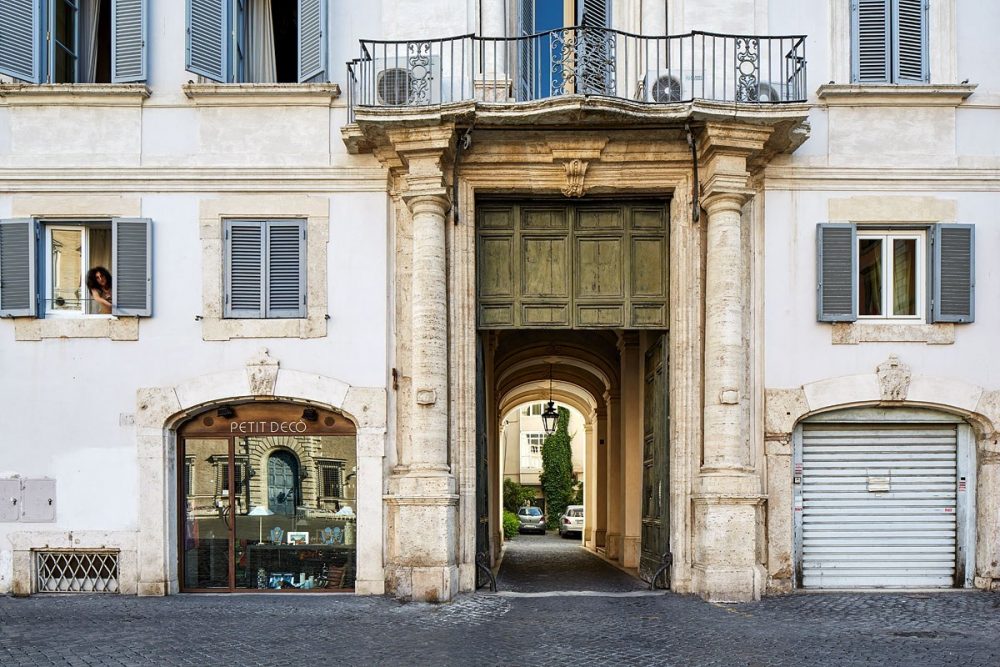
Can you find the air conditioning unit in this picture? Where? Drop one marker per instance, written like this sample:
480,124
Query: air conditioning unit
665,86
407,81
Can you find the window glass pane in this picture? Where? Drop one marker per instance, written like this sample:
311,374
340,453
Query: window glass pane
64,29
870,276
67,266
206,515
295,524
904,277
99,242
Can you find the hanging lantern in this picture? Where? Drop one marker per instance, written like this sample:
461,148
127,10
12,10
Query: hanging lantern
550,417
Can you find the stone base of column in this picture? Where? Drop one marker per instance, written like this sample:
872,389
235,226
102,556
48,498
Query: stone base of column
493,87
150,589
588,537
726,566
369,586
614,546
600,538
423,516
630,551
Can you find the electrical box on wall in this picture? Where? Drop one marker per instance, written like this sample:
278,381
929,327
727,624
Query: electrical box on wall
28,500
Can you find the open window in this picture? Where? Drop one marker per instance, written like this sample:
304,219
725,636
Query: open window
74,41
257,41
48,267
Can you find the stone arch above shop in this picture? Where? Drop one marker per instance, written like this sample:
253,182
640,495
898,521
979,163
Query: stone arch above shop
160,410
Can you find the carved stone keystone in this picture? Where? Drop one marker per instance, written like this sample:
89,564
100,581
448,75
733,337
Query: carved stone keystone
893,379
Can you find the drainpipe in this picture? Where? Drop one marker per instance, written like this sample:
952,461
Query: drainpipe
696,187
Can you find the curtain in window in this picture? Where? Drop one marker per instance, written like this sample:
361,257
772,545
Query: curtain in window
904,277
90,10
261,67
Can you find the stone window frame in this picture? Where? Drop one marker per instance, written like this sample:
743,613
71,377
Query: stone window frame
887,213
76,208
212,215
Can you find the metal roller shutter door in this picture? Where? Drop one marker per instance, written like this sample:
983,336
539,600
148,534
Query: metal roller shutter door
855,535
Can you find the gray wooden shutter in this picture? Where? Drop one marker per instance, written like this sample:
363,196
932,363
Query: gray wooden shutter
836,272
596,48
870,25
954,273
132,267
244,269
594,13
207,47
18,273
525,52
128,41
909,41
312,39
286,268
21,39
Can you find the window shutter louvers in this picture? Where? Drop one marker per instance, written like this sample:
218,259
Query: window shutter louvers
594,13
312,39
525,59
18,293
21,40
870,25
837,272
954,278
132,275
909,41
208,38
285,269
128,41
596,48
244,273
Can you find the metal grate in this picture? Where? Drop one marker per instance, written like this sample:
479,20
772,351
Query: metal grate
77,571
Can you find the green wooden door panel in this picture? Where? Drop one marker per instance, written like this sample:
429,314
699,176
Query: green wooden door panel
600,219
572,264
599,272
654,540
545,267
649,267
496,266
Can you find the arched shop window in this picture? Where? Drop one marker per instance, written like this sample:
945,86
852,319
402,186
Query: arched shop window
268,499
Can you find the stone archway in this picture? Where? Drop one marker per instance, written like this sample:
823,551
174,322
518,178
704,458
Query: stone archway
159,410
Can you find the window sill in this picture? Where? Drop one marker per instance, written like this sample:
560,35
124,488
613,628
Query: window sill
113,328
74,94
262,94
853,333
312,326
894,95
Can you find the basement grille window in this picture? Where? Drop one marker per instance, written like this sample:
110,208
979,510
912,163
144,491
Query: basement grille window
65,571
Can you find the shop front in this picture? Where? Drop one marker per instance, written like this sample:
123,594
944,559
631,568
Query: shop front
268,499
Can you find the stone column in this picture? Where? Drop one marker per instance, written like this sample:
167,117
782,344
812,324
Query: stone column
601,477
423,499
493,83
728,519
631,449
589,479
615,507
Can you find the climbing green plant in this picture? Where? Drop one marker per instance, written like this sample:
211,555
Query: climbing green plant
557,471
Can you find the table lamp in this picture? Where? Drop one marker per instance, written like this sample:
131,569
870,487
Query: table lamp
260,512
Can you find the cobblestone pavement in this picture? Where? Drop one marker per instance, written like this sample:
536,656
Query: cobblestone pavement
536,563
912,629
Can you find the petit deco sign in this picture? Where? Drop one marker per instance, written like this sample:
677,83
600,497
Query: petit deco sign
268,427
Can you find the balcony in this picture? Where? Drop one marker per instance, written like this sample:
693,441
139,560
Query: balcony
520,72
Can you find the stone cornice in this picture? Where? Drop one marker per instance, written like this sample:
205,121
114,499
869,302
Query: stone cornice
74,94
888,95
262,94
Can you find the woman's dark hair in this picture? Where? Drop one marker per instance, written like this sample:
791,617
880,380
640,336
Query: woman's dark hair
92,278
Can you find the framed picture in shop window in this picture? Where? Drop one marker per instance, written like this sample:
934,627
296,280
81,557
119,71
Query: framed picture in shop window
301,537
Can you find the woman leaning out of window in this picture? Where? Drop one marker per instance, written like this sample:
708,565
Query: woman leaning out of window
99,284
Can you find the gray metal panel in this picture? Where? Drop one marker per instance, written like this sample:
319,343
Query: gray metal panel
878,505
38,500
10,500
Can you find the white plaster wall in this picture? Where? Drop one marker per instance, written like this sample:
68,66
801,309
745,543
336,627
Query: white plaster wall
798,349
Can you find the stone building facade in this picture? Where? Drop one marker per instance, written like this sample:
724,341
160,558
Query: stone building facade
746,254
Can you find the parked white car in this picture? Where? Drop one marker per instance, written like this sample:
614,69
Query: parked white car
571,521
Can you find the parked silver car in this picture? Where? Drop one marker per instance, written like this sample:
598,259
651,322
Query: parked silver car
531,518
571,521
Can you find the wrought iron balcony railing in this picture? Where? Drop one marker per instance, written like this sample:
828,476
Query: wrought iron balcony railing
741,69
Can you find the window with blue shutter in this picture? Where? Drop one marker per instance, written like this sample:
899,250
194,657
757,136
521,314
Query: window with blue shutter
265,270
895,273
60,41
225,39
889,41
45,267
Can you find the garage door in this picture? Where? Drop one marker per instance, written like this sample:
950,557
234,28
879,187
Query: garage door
878,504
